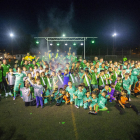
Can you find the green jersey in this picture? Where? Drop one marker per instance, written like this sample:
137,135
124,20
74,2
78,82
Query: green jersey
43,81
94,78
101,81
118,86
126,83
19,78
71,90
5,68
86,80
79,94
135,72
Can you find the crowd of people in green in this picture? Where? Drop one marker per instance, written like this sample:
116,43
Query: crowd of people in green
58,78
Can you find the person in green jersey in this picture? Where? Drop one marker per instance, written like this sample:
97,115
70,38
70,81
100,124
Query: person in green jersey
107,77
5,68
119,84
71,90
86,79
81,74
87,100
134,74
45,57
101,79
102,103
127,85
32,89
43,79
94,103
47,96
79,94
115,74
95,60
25,63
94,79
49,82
19,80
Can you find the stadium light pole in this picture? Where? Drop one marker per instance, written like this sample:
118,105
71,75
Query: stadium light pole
114,37
12,35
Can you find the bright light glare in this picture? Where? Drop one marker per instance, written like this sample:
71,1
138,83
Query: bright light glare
51,44
11,35
81,44
64,35
66,44
57,44
114,34
74,44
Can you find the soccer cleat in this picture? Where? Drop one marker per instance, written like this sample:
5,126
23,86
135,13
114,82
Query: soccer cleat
76,106
37,106
95,113
129,99
14,98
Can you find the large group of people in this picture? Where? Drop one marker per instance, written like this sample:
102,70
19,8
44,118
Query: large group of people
84,83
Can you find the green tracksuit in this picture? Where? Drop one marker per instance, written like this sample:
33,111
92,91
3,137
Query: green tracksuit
79,99
19,80
126,85
134,74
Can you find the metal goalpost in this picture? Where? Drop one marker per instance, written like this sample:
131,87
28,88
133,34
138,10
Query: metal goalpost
48,39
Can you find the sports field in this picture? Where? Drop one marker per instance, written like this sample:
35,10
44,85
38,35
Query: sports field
66,122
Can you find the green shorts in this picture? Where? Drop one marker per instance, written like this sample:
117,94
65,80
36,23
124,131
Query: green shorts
92,105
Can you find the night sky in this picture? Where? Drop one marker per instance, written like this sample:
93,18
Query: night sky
97,18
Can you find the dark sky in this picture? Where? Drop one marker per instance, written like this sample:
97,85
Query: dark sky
99,18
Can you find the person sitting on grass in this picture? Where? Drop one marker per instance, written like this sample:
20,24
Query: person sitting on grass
59,97
66,97
137,87
87,100
78,95
94,103
123,102
102,103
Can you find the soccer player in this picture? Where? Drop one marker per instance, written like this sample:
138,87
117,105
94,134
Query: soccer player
5,68
123,102
19,80
79,95
93,105
134,74
127,85
71,90
87,100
